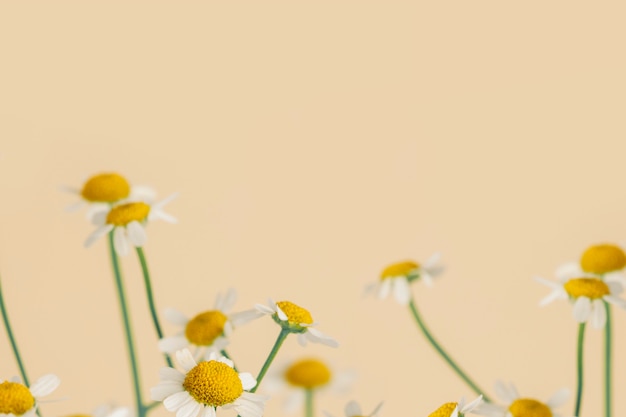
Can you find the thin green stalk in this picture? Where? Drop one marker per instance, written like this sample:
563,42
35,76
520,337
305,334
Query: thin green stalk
16,351
579,368
308,410
608,384
444,355
149,294
279,341
141,411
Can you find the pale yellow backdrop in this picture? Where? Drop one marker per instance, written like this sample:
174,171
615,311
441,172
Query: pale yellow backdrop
312,143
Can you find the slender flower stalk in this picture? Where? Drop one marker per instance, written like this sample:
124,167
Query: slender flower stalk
141,410
279,341
308,405
150,295
608,385
444,355
16,352
579,369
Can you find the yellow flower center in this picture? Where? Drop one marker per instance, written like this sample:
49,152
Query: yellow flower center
400,269
213,383
105,188
587,287
295,314
15,398
444,411
308,373
525,407
600,259
203,329
126,213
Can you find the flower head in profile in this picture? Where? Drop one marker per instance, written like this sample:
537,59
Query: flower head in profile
127,222
203,387
604,260
16,399
517,406
456,409
396,278
206,332
353,409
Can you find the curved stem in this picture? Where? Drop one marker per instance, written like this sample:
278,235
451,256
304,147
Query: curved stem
279,341
579,368
608,406
141,411
444,355
151,305
308,410
16,351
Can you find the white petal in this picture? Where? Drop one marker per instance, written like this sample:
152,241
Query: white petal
175,401
469,407
615,287
161,215
568,271
243,317
175,316
170,374
99,217
120,412
558,399
302,339
281,313
227,361
353,409
173,344
120,241
208,412
142,193
433,261
164,390
620,302
191,409
45,385
294,401
228,302
384,289
315,335
554,295
264,309
505,392
401,290
186,360
247,380
136,234
598,314
427,278
97,234
582,309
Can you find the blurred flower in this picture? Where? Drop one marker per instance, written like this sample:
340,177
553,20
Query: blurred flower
521,407
396,278
353,409
605,260
16,399
205,386
108,410
456,409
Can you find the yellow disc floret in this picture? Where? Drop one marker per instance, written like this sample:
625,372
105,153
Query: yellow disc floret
592,288
203,329
105,188
308,373
600,259
126,213
15,398
526,407
295,314
400,269
445,410
213,383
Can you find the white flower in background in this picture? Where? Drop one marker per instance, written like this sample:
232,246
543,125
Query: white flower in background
203,387
396,278
516,406
456,409
606,261
108,410
16,399
353,409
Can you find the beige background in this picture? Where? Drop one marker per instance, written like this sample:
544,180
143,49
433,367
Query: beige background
312,143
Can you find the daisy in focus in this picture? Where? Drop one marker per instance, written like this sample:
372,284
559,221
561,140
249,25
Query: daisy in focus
605,261
396,278
353,409
16,399
127,222
456,409
203,387
516,406
205,333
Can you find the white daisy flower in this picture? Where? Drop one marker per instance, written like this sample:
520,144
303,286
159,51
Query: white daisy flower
207,332
353,409
606,261
516,406
292,317
127,222
396,278
456,409
588,295
205,386
18,400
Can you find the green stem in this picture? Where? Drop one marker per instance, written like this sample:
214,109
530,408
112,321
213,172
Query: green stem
444,355
153,313
308,410
141,411
279,341
16,351
579,368
608,406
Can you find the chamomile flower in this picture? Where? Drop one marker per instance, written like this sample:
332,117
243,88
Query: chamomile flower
588,295
127,222
516,406
206,332
353,409
291,317
396,278
203,387
16,399
605,261
456,409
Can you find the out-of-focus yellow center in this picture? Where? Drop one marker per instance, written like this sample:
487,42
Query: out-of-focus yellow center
15,398
587,287
400,269
600,259
203,329
445,410
526,407
126,213
105,188
308,373
295,314
213,383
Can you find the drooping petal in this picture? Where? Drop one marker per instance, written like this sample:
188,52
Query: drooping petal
582,309
401,290
247,380
136,234
598,314
185,359
120,241
384,289
45,385
97,234
315,335
559,398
